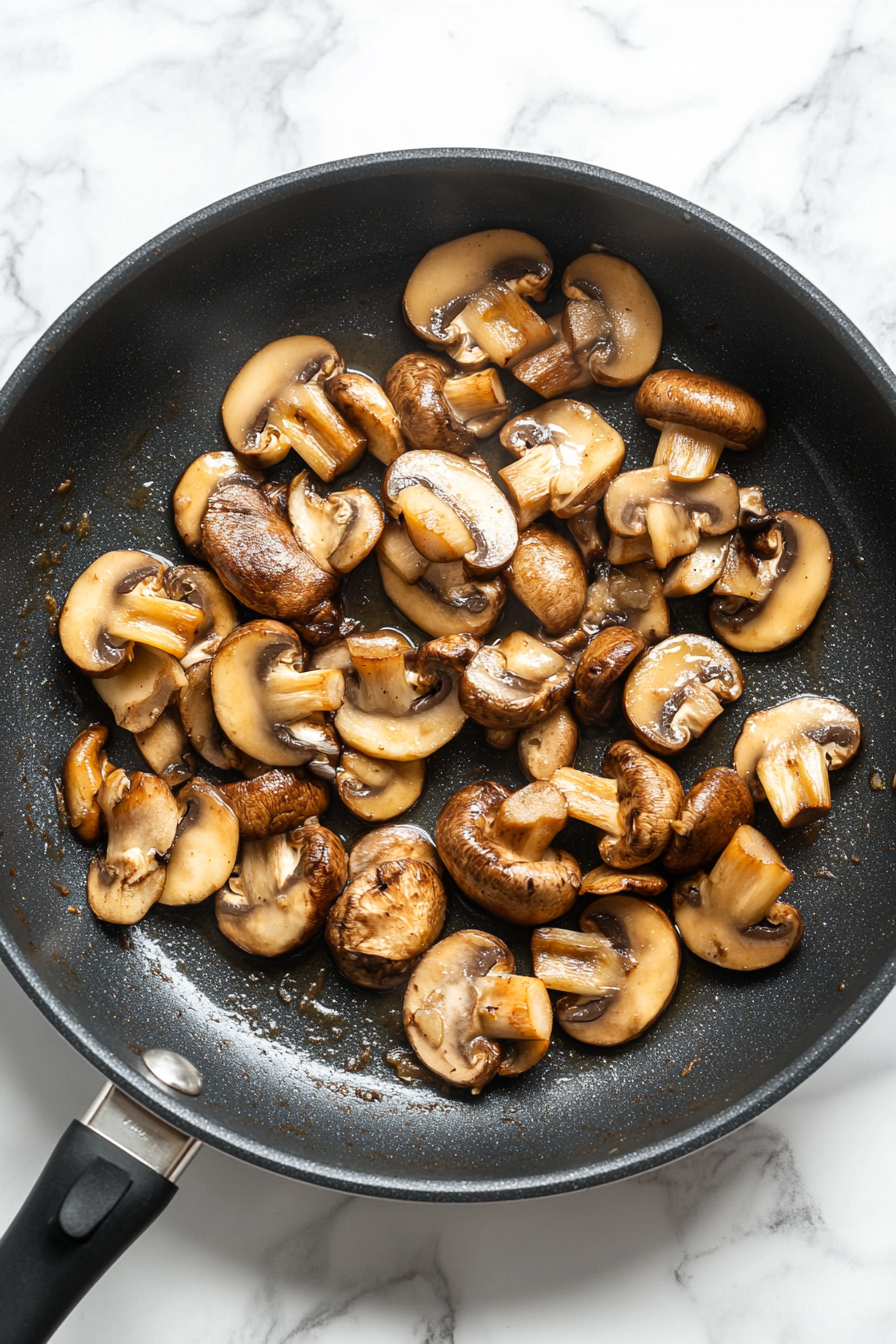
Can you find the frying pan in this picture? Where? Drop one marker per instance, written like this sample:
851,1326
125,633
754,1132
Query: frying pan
303,1073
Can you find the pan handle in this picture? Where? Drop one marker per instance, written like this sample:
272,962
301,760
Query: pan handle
108,1178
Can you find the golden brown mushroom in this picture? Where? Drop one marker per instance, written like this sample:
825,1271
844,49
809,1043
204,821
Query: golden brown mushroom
673,514
598,677
86,769
514,683
140,813
205,845
385,920
634,802
566,454
274,801
546,573
676,691
698,416
715,806
377,790
548,745
439,597
441,412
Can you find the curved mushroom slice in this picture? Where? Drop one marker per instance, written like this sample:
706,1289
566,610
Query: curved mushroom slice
568,455
598,677
279,898
205,845
632,597
247,539
613,320
497,847
635,802
391,843
732,916
548,576
587,531
468,297
696,572
472,500
377,790
444,413
698,416
266,705
674,514
197,714
384,921
117,601
166,748
773,584
617,976
138,695
606,881
202,589
676,691
715,806
141,817
437,597
784,754
514,683
86,769
364,404
548,745
194,487
274,802
468,1017
337,532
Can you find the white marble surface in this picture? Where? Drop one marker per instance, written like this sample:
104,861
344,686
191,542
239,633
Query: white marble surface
121,116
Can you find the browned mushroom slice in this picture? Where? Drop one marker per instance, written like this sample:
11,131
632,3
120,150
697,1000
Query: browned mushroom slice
632,597
613,319
194,487
202,589
337,532
548,745
274,802
607,881
626,551
548,576
773,583
568,455
205,845
278,899
587,531
390,843
468,1017
197,714
444,413
617,976
784,754
634,802
438,597
365,405
377,790
753,507
138,694
166,748
554,371
677,689
599,671
497,847
674,514
732,916
696,572
698,416
384,921
117,601
86,769
514,683
141,818
716,804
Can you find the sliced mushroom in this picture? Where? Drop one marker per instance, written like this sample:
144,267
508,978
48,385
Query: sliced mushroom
202,589
732,916
365,405
774,581
568,455
698,416
377,790
677,689
138,695
119,601
194,487
197,714
391,843
617,976
337,532
784,754
278,899
514,683
696,572
205,845
385,920
468,1017
274,802
166,748
141,818
628,551
497,847
437,597
598,678
632,597
548,745
674,514
444,413
548,576
613,320
555,370
753,508
86,769
715,806
634,802
606,881
587,532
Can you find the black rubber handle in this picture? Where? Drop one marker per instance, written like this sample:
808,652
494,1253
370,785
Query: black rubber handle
91,1201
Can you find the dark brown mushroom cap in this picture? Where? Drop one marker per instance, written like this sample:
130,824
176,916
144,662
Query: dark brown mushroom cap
650,798
194,487
247,539
494,871
86,768
384,921
414,385
598,686
547,574
277,801
514,683
677,396
715,806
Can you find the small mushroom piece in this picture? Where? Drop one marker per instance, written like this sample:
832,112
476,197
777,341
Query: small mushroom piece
497,846
514,683
337,532
139,694
715,806
773,584
676,691
437,597
194,487
166,748
364,404
554,371
197,714
205,845
674,514
274,802
698,416
613,319
548,576
587,533
386,918
753,508
567,455
698,571
279,897
266,705
202,589
634,802
391,843
467,297
119,601
606,881
631,596
467,1015
442,413
86,769
547,745
140,812
377,790
784,754
732,916
598,677
469,498
617,976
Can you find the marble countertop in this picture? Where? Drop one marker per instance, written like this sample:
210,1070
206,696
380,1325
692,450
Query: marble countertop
122,116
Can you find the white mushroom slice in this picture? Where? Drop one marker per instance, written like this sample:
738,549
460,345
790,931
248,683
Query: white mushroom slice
141,817
205,845
364,404
675,514
632,597
385,920
337,532
698,416
86,769
202,589
377,790
138,695
165,748
391,843
437,597
194,487
568,455
548,745
698,571
514,683
613,321
675,692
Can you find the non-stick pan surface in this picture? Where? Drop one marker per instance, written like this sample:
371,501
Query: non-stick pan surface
304,1073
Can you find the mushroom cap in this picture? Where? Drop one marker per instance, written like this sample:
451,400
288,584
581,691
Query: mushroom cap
575,449
799,575
674,691
385,920
415,387
822,720
285,886
205,845
548,576
377,790
715,806
650,798
139,694
338,531
141,817
624,354
365,405
385,843
548,745
713,504
438,597
677,396
274,802
202,589
266,377
194,487
85,769
492,870
514,683
606,881
598,687
632,597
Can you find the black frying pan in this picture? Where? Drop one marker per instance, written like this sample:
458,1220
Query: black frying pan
303,1071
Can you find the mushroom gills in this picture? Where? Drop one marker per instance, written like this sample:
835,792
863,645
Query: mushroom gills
438,597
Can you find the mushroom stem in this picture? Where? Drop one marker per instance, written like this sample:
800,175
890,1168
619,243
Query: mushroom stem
291,695
529,481
433,527
513,1008
672,531
157,621
528,820
690,454
697,711
503,324
577,963
748,877
316,430
476,394
796,782
590,798
379,661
